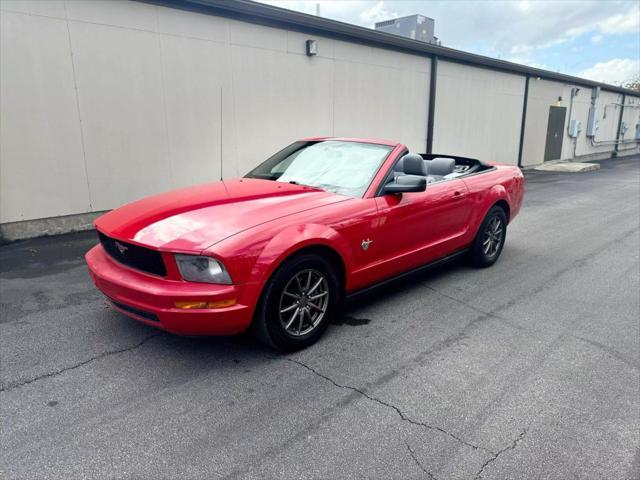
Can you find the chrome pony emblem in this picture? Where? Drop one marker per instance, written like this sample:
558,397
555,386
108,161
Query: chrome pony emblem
365,244
121,248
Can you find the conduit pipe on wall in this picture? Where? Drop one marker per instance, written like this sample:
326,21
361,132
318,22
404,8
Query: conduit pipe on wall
627,105
612,142
574,94
618,141
618,105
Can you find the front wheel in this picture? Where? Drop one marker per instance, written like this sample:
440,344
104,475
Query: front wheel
487,245
298,303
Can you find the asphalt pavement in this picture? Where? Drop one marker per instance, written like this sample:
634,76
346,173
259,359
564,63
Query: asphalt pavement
526,370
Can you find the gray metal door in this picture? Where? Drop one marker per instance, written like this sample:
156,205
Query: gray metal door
555,131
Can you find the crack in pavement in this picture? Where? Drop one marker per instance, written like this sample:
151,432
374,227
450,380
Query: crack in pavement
513,445
609,350
605,348
400,413
491,314
543,286
494,455
13,386
415,459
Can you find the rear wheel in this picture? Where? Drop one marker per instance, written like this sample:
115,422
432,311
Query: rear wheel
487,245
298,303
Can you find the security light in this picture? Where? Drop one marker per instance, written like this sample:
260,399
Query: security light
312,48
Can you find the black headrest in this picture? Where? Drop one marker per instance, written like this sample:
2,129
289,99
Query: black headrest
442,166
412,164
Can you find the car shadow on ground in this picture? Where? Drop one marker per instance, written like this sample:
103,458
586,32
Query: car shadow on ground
114,333
245,346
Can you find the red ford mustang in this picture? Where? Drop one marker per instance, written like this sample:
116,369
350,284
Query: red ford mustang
280,248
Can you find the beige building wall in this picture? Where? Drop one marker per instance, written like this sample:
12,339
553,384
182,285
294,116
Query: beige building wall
103,102
478,112
106,101
42,167
630,115
607,123
544,94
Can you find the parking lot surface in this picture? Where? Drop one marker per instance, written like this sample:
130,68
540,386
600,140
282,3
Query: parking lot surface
528,369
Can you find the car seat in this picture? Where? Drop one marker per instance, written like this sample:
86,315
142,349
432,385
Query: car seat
441,166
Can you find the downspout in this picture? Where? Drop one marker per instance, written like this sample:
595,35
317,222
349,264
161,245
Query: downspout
573,94
432,102
524,119
618,134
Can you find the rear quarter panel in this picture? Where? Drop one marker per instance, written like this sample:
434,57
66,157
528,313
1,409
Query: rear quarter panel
504,182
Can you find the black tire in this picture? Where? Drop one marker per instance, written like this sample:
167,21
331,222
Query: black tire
270,325
480,256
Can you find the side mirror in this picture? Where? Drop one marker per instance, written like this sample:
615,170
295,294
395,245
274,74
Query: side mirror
406,183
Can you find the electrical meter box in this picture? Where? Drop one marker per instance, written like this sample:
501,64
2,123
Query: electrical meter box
575,127
623,127
592,123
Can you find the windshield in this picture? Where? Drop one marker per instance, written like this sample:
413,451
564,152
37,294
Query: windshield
346,168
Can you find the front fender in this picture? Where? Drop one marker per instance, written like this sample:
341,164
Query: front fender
293,239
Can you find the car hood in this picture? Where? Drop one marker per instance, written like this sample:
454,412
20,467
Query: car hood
192,219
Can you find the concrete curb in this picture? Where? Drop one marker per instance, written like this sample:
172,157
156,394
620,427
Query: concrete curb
568,167
10,232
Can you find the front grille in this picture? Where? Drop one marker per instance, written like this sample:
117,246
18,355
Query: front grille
133,256
135,311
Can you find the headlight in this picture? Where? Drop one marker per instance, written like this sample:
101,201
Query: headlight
197,268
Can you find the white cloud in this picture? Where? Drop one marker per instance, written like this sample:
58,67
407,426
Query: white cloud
376,13
348,11
505,27
599,21
615,71
627,21
528,62
523,31
524,5
518,49
621,23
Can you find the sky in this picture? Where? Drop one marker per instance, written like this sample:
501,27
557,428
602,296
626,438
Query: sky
598,40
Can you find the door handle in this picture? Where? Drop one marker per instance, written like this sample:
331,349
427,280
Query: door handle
458,195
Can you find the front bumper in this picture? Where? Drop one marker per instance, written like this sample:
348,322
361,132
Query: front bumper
151,300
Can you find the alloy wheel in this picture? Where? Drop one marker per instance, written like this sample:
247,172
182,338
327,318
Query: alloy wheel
493,237
304,302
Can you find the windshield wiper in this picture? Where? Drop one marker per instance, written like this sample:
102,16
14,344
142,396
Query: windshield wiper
261,176
296,182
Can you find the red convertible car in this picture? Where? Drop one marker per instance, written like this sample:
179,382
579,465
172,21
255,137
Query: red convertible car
279,249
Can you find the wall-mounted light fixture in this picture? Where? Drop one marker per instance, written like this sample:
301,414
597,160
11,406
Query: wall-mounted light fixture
312,47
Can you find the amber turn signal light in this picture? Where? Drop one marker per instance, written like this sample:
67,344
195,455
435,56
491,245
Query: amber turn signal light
197,305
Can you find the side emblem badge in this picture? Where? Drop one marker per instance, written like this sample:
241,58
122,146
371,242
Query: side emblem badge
365,244
121,248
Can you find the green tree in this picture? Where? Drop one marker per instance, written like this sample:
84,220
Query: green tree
633,84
